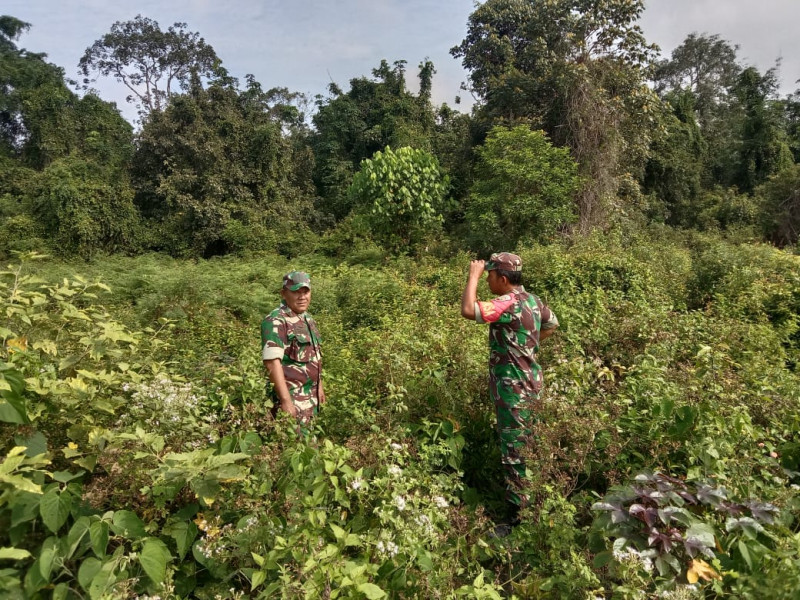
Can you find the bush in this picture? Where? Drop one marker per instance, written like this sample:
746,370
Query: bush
402,193
523,189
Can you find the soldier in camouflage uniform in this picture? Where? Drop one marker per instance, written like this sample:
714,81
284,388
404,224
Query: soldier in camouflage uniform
518,322
290,343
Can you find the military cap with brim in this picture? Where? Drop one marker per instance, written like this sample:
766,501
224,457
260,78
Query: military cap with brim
295,280
505,261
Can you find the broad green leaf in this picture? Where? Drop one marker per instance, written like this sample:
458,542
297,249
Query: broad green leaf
98,534
60,592
259,577
183,532
425,560
103,580
26,507
14,554
371,591
602,559
128,525
250,443
88,569
745,552
47,555
54,508
33,578
154,558
13,408
703,532
338,532
76,534
66,476
35,444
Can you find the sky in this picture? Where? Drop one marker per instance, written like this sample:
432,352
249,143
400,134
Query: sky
306,44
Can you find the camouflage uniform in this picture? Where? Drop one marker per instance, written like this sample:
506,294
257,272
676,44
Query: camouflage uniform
295,340
515,378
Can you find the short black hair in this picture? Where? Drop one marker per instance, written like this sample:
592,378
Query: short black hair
514,277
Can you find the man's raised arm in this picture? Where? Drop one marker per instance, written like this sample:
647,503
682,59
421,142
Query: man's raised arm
470,295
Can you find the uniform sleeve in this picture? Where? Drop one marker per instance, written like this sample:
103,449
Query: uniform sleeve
492,311
273,338
549,319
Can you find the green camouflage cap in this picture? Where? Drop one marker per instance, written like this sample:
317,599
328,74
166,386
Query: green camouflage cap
505,261
294,280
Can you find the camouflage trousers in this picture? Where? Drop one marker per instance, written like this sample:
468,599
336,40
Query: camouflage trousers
515,419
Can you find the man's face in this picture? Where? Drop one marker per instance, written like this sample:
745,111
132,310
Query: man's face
495,282
298,301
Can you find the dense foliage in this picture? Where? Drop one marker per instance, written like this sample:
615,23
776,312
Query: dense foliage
667,446
402,194
140,456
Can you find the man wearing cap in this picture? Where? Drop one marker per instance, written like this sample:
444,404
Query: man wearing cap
290,344
518,322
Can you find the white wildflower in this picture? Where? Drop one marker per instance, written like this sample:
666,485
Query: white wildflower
425,524
400,503
396,447
394,470
356,484
440,502
387,548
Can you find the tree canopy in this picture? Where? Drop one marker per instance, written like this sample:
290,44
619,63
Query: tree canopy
151,63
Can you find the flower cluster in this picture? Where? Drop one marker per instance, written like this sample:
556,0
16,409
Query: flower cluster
169,408
388,548
635,558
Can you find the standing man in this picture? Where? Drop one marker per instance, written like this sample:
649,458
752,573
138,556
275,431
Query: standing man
518,322
290,344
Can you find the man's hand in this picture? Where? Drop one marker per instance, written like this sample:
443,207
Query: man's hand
279,383
476,268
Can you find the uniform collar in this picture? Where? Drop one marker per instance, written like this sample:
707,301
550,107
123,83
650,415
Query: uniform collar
286,309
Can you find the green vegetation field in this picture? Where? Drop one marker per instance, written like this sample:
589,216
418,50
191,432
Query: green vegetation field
145,460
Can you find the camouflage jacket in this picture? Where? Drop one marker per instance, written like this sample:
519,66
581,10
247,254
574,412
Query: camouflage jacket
295,340
515,322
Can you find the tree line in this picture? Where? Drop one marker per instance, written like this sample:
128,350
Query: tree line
579,124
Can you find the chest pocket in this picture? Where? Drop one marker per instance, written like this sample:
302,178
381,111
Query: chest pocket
300,348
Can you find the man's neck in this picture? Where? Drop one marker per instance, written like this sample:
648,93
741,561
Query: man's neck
510,289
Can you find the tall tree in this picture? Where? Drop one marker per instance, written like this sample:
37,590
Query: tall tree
674,173
764,149
213,173
705,66
153,64
23,75
792,109
66,158
576,68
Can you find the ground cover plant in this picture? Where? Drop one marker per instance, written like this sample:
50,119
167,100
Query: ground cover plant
140,458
